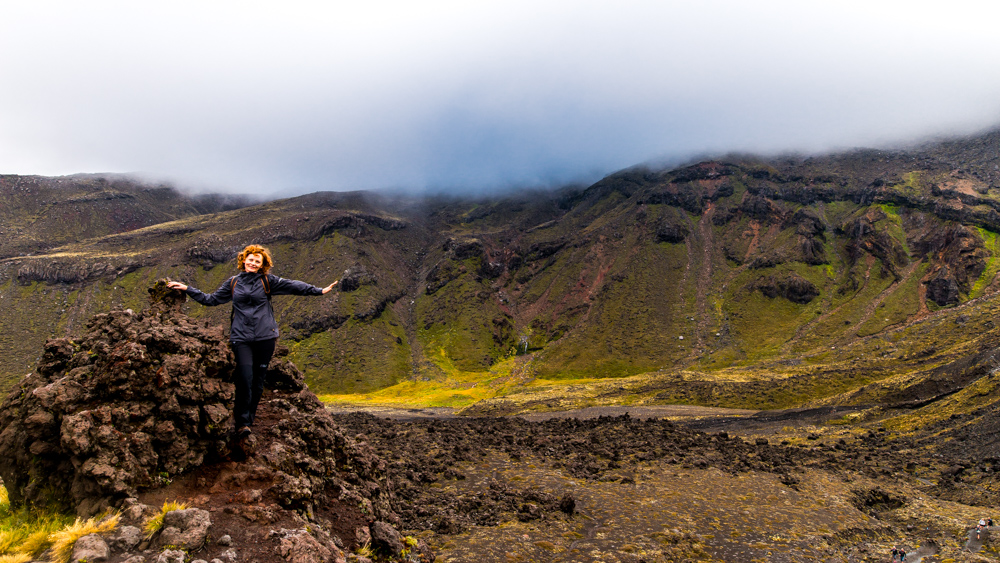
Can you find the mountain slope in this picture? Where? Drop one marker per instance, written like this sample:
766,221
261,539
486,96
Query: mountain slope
39,213
765,272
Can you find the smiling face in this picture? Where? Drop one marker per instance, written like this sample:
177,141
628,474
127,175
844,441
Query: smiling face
253,262
254,259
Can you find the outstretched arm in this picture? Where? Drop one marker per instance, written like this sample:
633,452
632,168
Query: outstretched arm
222,295
281,286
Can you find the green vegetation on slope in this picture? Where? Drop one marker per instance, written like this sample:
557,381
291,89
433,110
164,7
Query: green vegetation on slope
711,268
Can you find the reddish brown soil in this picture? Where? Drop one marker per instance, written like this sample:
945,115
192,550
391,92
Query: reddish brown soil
236,493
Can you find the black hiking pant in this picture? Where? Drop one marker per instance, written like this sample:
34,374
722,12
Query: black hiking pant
252,359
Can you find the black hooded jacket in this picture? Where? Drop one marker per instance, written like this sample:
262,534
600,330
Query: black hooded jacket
253,318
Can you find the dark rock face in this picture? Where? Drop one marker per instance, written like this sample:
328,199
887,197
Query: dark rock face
869,234
211,250
467,248
70,272
810,230
793,287
760,209
672,232
354,278
442,273
358,221
683,195
942,288
813,252
807,223
962,258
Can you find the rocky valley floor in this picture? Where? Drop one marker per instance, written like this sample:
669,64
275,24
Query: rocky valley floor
766,488
135,413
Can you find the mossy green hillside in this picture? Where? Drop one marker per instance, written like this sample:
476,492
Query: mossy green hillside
638,322
357,357
461,325
901,303
992,243
644,272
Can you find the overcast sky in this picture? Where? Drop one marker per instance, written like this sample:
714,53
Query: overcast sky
280,98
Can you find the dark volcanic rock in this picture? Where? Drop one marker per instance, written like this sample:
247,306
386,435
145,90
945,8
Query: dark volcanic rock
943,288
140,396
600,449
962,257
792,287
209,251
465,248
672,232
145,397
356,277
442,273
870,233
70,272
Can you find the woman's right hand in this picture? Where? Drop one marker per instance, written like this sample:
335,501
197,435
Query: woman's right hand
177,285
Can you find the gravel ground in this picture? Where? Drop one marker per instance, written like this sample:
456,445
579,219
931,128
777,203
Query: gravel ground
671,412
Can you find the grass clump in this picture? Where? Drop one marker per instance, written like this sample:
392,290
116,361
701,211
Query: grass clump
365,550
64,539
25,532
155,524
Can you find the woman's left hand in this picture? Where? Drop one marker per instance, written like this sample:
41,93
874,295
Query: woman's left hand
329,288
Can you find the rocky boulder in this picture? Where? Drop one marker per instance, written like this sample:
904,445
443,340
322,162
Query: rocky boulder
142,401
142,398
139,397
355,278
186,529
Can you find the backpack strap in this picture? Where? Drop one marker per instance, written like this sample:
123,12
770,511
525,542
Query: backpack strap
232,308
263,279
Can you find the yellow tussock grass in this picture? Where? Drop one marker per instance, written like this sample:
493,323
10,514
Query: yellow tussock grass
35,543
154,524
64,540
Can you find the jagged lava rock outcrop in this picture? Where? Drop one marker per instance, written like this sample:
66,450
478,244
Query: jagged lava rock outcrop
144,397
139,397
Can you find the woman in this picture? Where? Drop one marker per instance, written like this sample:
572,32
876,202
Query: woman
254,331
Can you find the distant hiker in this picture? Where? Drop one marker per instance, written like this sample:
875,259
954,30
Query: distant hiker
902,555
895,553
989,522
253,332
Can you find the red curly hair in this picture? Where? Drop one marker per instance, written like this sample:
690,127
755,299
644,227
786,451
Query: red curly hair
255,249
